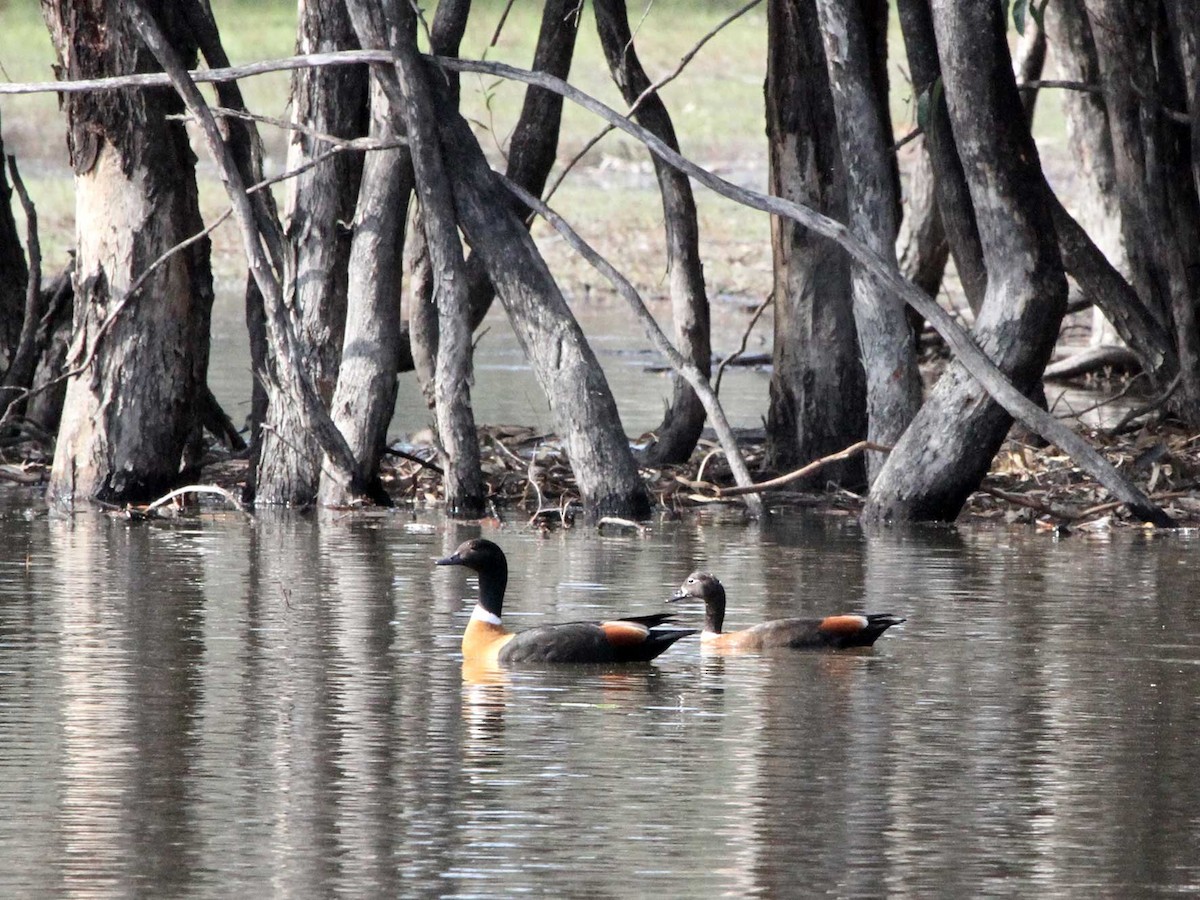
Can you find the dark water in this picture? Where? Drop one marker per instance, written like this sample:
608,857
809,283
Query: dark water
214,706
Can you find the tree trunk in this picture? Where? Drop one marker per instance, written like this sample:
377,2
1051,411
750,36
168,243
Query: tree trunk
946,451
584,411
127,418
365,397
1029,61
531,152
676,437
44,407
954,201
1093,201
818,392
850,31
1146,155
318,203
922,245
14,273
463,477
449,23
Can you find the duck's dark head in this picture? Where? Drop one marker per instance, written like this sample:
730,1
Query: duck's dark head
478,555
705,586
486,560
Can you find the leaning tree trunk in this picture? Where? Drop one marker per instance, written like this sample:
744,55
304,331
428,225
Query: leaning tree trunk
947,450
953,197
532,150
585,413
818,393
676,437
851,32
128,416
319,204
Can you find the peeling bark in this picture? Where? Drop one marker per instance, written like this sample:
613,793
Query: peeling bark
126,419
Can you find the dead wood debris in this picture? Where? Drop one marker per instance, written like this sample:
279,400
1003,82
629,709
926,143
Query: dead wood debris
529,479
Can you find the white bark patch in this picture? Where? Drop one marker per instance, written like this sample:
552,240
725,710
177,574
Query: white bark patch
107,205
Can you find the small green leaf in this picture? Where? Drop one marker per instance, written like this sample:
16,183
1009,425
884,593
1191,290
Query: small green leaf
1019,8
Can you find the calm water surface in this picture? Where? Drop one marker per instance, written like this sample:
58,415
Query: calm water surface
218,705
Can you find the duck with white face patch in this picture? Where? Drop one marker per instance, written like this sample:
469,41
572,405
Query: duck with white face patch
830,633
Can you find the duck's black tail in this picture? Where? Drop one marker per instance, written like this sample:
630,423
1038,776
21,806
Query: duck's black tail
658,641
877,624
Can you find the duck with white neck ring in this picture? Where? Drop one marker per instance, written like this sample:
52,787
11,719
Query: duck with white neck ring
487,642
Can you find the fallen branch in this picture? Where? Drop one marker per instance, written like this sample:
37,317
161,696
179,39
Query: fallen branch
803,471
1150,406
412,457
1093,359
196,489
1065,513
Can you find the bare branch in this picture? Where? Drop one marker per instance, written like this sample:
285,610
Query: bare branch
727,361
803,471
979,364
